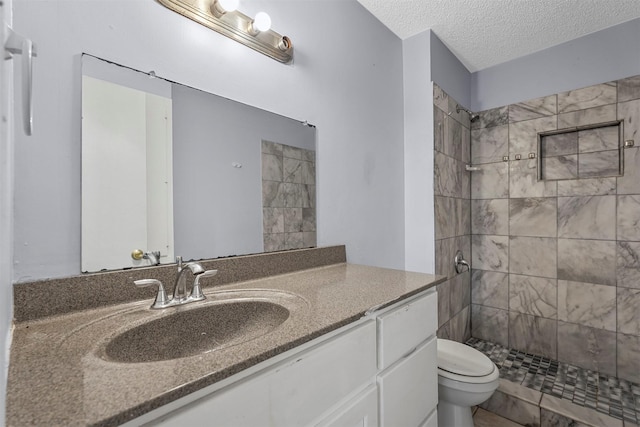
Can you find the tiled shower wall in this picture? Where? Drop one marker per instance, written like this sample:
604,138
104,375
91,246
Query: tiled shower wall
452,214
288,197
556,264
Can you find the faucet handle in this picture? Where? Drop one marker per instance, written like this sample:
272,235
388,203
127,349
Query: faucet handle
161,299
196,292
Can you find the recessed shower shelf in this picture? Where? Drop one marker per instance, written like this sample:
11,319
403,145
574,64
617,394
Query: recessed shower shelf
592,151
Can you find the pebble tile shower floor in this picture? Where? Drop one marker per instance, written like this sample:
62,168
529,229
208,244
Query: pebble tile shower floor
615,397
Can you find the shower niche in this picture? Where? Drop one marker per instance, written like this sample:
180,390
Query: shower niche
593,151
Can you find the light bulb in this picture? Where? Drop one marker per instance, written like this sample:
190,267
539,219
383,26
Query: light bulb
228,5
262,22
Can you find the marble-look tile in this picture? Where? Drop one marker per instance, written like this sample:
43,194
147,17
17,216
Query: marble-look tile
444,331
292,152
628,265
308,219
602,163
523,136
589,116
519,391
483,418
536,296
628,360
460,116
439,129
490,324
587,97
293,195
523,180
308,172
446,176
533,256
629,311
490,216
444,310
463,214
292,220
309,239
599,139
272,194
444,257
533,109
460,294
560,167
490,253
587,187
589,261
491,181
273,220
629,89
630,112
559,144
466,145
494,117
272,168
440,98
273,242
590,348
533,217
489,145
293,240
629,183
309,155
460,325
512,408
551,419
453,139
292,170
589,217
490,288
308,196
580,414
274,148
629,217
587,304
533,334
446,217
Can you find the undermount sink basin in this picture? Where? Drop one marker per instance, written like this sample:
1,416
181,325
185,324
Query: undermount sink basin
190,331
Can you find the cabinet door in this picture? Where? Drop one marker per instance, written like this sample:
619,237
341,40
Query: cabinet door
295,392
432,421
361,411
409,389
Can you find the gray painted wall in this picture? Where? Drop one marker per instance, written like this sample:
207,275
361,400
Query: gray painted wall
448,72
606,55
352,92
418,154
217,207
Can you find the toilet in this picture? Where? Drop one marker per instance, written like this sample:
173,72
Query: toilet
466,378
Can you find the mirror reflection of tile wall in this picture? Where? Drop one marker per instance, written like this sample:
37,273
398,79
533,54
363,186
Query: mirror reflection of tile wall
556,267
288,197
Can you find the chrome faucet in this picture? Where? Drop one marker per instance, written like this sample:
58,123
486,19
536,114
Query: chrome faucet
459,263
180,290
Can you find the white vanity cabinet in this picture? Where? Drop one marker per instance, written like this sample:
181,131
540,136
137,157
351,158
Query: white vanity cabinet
379,371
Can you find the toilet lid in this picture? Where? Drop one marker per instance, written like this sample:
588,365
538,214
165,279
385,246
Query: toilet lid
461,359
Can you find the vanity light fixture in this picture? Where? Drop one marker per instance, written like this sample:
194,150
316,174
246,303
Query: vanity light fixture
222,16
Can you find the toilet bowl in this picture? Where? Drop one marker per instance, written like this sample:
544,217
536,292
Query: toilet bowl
466,378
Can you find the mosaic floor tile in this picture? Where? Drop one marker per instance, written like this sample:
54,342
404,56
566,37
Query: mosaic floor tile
609,395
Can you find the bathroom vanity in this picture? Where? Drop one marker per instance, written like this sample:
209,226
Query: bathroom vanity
356,346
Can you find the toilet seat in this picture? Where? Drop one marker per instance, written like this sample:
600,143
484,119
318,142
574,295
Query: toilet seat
460,362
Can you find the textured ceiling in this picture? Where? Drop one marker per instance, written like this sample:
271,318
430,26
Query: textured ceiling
482,33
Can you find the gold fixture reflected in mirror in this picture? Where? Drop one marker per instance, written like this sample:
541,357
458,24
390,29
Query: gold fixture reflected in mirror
221,16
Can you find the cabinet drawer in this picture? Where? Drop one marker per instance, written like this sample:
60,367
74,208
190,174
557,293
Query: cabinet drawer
294,392
403,328
409,389
361,411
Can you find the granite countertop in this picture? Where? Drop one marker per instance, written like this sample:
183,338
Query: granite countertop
59,374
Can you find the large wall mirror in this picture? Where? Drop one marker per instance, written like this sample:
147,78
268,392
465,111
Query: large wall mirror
171,169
